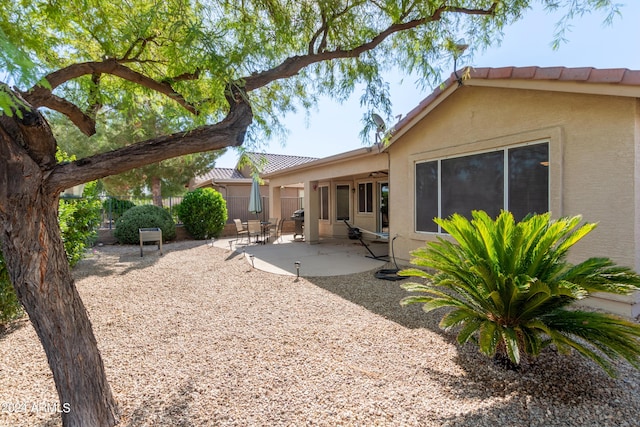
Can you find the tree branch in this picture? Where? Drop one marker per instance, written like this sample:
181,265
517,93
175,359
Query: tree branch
40,96
292,65
229,132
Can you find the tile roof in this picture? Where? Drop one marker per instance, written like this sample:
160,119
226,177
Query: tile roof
268,163
618,77
220,174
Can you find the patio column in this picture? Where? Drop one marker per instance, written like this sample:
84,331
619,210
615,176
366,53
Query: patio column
275,205
311,212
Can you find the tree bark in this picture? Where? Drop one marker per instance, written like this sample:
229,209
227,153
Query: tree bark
34,254
31,242
156,191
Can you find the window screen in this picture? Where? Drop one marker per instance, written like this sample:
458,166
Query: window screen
528,180
426,196
477,182
473,183
342,202
365,197
324,202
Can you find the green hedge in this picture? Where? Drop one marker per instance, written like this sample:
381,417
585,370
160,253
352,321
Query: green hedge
147,216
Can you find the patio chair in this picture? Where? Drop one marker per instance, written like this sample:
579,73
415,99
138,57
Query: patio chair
355,233
273,228
240,230
254,228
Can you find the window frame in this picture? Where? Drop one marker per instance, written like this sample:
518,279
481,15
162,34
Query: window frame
325,204
348,207
366,197
506,176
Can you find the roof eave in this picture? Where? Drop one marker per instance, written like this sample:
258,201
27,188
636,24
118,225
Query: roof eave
555,79
348,155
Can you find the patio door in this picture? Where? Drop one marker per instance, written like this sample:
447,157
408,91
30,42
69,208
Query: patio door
383,203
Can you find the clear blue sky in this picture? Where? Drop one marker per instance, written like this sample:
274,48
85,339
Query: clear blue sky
334,128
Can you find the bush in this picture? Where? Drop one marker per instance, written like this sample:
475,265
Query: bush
146,216
79,219
114,208
509,286
203,213
10,307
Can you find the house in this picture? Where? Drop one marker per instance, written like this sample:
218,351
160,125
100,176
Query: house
235,183
526,139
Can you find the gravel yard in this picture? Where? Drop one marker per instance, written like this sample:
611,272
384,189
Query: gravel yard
199,338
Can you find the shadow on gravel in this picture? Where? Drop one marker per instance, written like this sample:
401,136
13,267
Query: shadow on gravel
13,326
381,297
554,389
126,258
174,410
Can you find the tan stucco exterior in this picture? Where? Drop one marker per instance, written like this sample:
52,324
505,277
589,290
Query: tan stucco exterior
593,161
365,165
591,126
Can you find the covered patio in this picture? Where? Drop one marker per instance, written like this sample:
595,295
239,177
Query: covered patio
352,186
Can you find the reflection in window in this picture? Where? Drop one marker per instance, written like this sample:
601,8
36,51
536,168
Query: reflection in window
324,202
342,202
365,197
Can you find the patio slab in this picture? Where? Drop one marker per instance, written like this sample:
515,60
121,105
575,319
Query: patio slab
330,257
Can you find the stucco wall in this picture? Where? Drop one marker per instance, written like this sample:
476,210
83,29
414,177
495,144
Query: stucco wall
592,142
348,168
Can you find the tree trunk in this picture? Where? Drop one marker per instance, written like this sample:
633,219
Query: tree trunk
35,257
156,190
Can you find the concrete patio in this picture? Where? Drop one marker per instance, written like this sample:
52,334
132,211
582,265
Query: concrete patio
330,257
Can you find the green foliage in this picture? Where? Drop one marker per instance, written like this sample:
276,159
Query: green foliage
79,219
509,286
226,41
116,207
203,212
146,216
141,122
10,307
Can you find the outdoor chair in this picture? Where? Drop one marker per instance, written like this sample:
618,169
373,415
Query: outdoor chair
254,228
240,230
272,230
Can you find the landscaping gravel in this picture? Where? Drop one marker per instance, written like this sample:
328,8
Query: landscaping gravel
198,338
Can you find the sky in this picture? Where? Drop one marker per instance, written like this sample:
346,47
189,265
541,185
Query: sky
334,128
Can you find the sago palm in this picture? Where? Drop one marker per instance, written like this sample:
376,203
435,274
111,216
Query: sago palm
509,288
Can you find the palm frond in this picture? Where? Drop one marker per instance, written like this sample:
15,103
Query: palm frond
489,337
509,285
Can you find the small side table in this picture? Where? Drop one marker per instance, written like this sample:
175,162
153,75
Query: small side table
150,235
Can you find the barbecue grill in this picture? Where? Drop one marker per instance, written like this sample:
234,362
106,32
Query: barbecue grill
298,218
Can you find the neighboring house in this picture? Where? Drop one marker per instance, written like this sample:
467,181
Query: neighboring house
529,139
235,184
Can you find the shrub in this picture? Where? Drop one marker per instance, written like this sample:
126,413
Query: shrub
114,208
146,216
509,287
10,307
203,213
79,220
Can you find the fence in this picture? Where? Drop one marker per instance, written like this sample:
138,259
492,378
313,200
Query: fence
114,206
237,207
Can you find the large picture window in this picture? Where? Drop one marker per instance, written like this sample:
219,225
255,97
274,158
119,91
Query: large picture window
477,182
